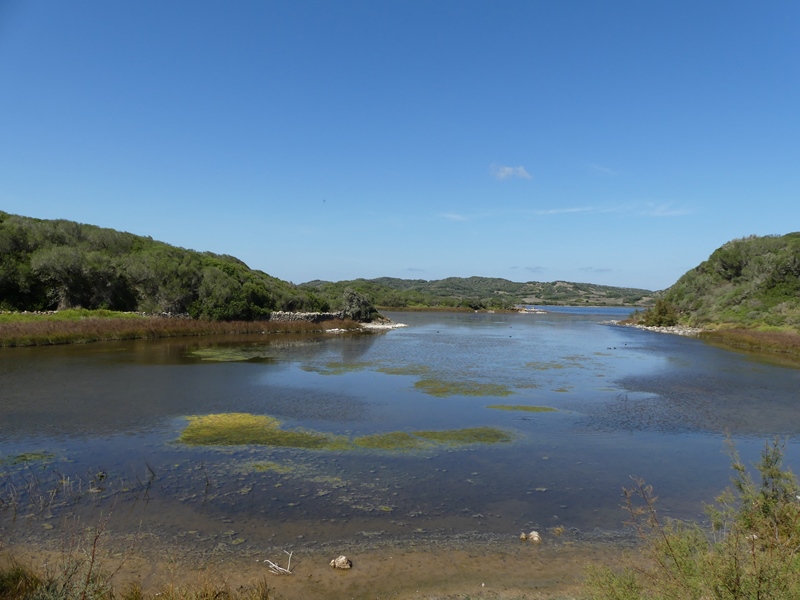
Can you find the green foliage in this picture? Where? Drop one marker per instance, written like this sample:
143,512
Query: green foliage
747,282
356,306
47,265
663,314
750,552
473,293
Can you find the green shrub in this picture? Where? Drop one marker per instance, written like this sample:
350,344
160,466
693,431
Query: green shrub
750,551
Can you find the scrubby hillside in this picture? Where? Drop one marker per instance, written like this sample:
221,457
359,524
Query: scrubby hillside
748,282
480,292
49,264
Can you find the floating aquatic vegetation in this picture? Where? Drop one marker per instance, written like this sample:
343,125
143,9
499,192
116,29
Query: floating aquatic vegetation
544,366
27,457
407,370
562,389
472,435
240,429
395,440
336,368
522,407
442,388
232,354
263,467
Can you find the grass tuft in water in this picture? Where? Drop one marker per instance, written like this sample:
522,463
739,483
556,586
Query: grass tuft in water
442,389
241,429
522,407
236,354
472,435
395,440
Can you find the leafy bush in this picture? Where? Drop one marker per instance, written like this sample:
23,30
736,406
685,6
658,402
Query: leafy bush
751,551
663,314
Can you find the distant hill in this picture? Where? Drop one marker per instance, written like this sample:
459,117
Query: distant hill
57,264
747,282
480,292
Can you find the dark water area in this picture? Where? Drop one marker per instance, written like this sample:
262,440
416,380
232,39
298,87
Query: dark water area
90,429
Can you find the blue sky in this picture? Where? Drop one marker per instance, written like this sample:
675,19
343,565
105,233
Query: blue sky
615,142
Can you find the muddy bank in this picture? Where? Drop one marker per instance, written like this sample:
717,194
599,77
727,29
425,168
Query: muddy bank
443,568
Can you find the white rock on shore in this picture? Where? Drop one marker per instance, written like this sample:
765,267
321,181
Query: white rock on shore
673,329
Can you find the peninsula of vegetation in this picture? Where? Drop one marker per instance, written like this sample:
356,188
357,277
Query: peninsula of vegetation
746,294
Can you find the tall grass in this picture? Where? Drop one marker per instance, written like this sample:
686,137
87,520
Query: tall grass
781,341
40,330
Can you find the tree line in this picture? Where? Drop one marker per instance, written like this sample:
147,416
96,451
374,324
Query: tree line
59,264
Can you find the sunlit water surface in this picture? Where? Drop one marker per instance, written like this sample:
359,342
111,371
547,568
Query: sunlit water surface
91,430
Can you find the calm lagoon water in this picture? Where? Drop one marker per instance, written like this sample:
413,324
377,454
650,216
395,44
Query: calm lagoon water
99,424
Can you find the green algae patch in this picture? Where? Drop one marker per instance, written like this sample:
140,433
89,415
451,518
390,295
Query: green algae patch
242,429
395,440
218,354
407,370
27,457
545,366
522,407
273,467
336,368
442,389
471,435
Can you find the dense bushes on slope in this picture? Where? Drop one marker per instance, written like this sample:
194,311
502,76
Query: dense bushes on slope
62,264
750,281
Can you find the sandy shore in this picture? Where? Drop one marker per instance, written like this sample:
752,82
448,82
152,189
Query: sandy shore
487,570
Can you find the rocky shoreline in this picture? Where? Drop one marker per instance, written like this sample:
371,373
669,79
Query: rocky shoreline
673,329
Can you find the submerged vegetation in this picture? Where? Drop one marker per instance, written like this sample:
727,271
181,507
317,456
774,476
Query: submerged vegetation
751,551
442,388
241,429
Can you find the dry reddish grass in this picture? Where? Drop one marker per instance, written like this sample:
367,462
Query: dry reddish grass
772,341
46,332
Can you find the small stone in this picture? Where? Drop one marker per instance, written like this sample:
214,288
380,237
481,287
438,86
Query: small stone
341,562
534,537
523,536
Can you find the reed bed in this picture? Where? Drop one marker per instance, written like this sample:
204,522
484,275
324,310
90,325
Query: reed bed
785,342
48,331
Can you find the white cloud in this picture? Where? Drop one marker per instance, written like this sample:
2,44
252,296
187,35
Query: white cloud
596,269
453,217
600,169
664,210
504,172
560,211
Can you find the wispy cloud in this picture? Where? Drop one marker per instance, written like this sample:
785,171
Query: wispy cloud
536,269
663,210
416,270
561,211
600,169
453,217
596,269
505,172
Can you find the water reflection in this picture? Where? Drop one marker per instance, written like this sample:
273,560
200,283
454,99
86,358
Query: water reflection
628,402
